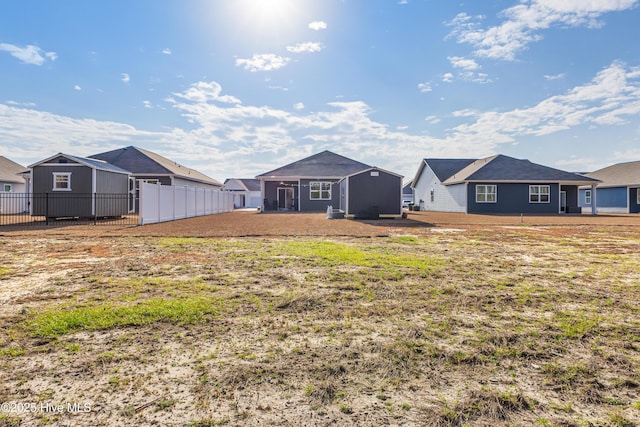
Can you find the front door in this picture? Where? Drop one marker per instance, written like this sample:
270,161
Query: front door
285,198
563,202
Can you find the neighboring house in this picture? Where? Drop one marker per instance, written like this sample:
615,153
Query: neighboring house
407,195
619,191
307,185
360,194
496,184
147,166
14,187
70,186
11,176
246,192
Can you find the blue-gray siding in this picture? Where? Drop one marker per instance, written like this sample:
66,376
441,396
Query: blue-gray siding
367,193
513,199
613,197
634,206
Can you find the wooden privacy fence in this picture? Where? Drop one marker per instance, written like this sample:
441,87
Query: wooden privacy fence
160,203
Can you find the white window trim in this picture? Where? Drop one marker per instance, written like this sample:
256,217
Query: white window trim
320,190
57,174
540,193
587,197
5,186
486,193
638,195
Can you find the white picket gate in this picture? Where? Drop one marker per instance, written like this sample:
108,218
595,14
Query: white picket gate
160,203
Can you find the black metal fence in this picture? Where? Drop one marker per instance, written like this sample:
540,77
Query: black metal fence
62,208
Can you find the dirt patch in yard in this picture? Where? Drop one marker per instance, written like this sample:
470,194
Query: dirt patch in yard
293,319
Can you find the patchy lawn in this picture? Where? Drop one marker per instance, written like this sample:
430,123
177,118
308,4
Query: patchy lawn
496,326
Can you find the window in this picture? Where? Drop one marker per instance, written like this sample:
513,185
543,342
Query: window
587,197
320,191
538,194
62,181
638,196
486,193
432,195
7,188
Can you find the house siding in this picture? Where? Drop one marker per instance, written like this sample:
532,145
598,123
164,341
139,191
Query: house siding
367,193
58,201
449,198
608,200
308,205
513,199
634,206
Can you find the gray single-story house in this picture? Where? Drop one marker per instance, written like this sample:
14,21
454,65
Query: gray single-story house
496,185
618,191
246,192
307,185
360,194
70,186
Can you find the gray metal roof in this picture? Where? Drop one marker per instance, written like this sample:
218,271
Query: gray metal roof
618,175
322,165
508,169
144,162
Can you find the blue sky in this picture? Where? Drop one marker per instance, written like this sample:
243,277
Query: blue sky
236,88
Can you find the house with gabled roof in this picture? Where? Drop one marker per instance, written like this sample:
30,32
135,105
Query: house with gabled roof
72,186
496,184
246,192
618,191
12,176
148,166
307,185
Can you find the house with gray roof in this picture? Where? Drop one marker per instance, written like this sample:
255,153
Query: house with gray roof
71,186
498,184
618,191
307,185
246,192
148,166
11,176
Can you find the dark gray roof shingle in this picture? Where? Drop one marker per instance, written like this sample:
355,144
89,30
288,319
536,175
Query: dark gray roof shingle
322,165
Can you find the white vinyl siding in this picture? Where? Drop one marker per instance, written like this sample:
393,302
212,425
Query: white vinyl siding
446,198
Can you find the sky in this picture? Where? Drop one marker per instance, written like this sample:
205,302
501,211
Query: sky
236,88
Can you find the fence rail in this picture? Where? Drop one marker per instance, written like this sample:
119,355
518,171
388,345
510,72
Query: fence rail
66,208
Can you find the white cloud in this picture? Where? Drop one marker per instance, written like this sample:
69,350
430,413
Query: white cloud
263,62
77,87
425,87
308,47
166,51
125,78
447,77
147,104
523,23
298,106
318,25
204,92
464,63
29,54
555,76
223,134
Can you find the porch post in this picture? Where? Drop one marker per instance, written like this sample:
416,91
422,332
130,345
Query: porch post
594,209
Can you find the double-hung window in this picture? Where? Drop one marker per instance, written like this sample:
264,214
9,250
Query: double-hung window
320,190
587,197
538,194
486,193
7,188
62,181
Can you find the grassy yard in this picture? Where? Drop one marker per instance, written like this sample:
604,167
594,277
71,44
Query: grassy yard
501,326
